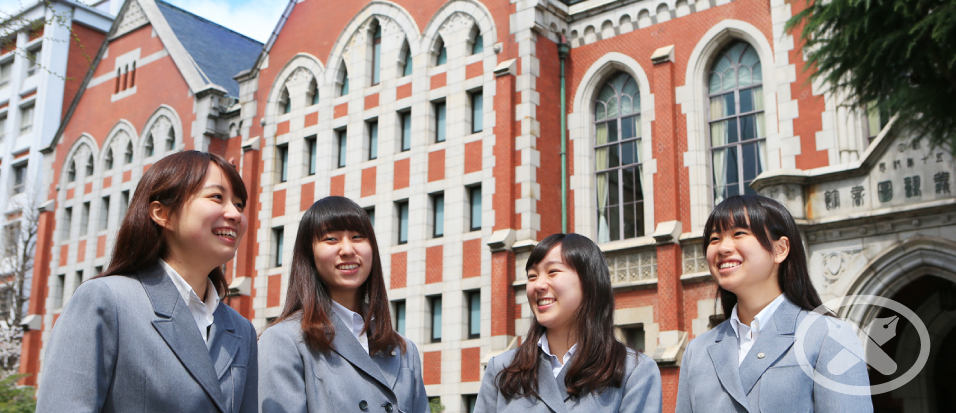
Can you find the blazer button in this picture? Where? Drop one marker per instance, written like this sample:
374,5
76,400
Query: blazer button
760,355
388,407
363,405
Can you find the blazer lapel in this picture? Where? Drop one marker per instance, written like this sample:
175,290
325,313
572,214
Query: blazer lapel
178,328
389,362
550,390
774,340
223,341
349,348
724,353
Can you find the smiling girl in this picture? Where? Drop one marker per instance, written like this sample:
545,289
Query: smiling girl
749,363
151,334
333,349
570,360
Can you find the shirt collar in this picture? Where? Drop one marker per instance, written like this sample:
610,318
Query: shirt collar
760,320
543,343
353,320
187,292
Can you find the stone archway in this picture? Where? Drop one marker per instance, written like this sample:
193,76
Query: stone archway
918,273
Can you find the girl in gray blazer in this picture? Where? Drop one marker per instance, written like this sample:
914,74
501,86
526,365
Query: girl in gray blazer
138,338
333,349
753,361
570,360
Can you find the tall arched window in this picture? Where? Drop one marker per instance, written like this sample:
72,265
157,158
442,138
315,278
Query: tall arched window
617,162
71,171
342,79
376,53
737,132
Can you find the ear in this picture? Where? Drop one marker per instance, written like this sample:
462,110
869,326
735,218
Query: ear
781,249
160,214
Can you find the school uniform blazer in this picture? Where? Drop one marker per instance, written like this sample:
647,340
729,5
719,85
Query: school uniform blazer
130,344
295,379
711,381
640,391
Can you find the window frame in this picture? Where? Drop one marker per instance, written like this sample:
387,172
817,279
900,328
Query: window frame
477,110
440,124
282,162
435,325
473,297
471,207
402,210
278,244
341,142
436,208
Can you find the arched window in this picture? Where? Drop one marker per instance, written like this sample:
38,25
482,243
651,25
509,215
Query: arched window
149,145
128,155
89,166
617,162
71,171
405,60
285,104
313,93
170,139
343,80
475,40
737,133
441,52
376,53
108,159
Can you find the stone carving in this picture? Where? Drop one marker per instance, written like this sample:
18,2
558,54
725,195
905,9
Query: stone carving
300,75
132,20
454,23
835,264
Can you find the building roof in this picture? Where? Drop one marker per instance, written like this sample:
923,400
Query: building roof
218,53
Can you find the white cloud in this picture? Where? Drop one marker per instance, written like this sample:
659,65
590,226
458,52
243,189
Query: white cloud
252,18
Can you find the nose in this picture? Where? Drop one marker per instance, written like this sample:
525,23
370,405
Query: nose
346,247
232,212
541,284
725,246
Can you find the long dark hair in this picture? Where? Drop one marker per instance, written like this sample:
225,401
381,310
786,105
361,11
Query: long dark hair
309,296
171,181
599,359
768,220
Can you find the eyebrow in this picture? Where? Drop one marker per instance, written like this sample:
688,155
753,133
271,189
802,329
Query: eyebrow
215,186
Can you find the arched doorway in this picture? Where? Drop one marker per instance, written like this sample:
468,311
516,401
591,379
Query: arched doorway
918,273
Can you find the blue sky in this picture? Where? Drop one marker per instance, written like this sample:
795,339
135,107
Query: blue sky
253,18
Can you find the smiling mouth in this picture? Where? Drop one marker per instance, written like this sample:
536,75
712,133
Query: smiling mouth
729,264
225,232
347,267
546,301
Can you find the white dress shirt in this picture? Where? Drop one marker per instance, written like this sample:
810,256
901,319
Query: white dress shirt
202,310
747,335
354,321
556,365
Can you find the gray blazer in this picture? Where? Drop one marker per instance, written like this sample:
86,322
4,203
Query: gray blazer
711,381
345,379
640,392
130,344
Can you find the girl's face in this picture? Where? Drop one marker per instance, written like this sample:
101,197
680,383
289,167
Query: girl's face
741,265
554,292
208,228
343,260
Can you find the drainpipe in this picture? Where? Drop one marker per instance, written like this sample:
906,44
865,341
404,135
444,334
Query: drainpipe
563,49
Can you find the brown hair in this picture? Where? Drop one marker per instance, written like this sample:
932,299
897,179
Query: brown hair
600,359
308,295
171,182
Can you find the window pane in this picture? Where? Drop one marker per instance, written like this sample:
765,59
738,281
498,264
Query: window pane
403,223
342,145
628,152
614,157
614,222
612,135
475,208
474,314
407,70
406,131
400,317
436,319
373,140
601,134
479,45
746,100
628,186
748,129
312,156
442,56
477,112
439,203
440,122
614,197
376,55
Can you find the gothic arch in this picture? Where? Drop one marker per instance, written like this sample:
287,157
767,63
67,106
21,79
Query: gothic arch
84,145
298,69
355,31
692,95
580,130
479,14
164,111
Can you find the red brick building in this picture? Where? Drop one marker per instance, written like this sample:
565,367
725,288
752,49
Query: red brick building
444,120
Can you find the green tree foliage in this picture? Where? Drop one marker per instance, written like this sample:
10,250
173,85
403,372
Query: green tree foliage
16,399
434,403
900,54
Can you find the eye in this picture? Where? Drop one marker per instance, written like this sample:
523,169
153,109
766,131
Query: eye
330,239
532,277
216,196
739,233
553,271
240,206
358,236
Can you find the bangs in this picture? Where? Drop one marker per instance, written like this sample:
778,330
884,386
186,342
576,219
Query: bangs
232,175
340,214
741,211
